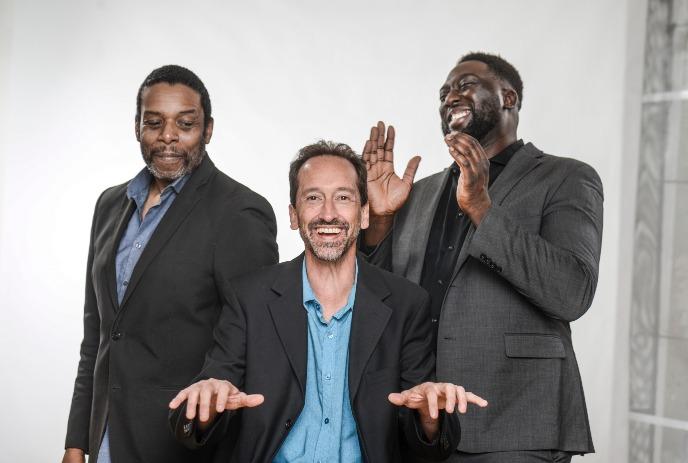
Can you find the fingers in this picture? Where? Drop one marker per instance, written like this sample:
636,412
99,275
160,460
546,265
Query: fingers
179,399
380,134
396,398
192,401
411,169
450,397
461,396
431,397
243,400
389,144
475,399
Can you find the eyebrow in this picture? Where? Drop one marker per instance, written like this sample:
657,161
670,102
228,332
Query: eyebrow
318,190
180,113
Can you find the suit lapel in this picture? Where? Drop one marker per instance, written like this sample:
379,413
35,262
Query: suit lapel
289,317
412,240
523,161
370,317
127,208
175,215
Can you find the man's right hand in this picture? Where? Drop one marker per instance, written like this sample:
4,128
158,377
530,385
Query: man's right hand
387,192
72,455
213,396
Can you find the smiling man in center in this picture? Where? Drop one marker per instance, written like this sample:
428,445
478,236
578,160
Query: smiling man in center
329,358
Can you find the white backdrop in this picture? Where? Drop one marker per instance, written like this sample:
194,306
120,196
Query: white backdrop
280,75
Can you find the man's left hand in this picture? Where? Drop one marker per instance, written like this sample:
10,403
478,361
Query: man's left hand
429,398
471,193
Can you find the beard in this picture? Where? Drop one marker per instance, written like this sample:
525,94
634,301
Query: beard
190,160
483,120
329,251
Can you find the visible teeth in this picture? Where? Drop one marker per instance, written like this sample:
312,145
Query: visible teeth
329,230
459,114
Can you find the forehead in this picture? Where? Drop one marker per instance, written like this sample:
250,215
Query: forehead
164,95
477,68
327,172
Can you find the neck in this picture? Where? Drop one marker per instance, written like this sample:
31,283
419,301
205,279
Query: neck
331,282
501,136
160,184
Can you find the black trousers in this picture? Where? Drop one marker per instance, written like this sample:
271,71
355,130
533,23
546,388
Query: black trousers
519,456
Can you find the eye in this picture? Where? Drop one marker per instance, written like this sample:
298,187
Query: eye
312,198
151,122
344,197
185,124
465,85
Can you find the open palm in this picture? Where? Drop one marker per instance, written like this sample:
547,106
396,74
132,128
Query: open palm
387,192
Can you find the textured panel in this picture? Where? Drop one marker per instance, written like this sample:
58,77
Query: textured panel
674,321
640,442
674,384
643,373
657,47
674,447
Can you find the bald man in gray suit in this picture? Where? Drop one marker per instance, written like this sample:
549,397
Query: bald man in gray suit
507,242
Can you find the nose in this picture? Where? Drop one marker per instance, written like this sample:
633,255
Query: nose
452,98
328,210
169,133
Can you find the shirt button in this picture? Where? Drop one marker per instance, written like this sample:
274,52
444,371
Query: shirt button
327,420
138,245
330,335
328,376
125,282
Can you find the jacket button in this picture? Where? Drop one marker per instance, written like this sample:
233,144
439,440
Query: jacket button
116,336
483,257
287,424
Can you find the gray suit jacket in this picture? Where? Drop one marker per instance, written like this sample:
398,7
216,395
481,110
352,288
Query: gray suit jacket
528,270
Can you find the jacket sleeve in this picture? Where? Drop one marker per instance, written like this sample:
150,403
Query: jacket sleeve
557,269
380,255
247,239
226,360
80,411
418,366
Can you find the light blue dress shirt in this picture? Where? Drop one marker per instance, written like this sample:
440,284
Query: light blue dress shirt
134,241
325,431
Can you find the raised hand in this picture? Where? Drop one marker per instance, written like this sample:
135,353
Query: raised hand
429,398
471,193
387,192
213,396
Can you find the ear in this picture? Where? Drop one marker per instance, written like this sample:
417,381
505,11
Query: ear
137,131
208,132
365,216
293,218
510,98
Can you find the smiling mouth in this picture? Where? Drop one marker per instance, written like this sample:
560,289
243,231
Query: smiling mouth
458,115
329,231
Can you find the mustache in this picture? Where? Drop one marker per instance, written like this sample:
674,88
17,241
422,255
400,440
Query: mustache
167,150
324,223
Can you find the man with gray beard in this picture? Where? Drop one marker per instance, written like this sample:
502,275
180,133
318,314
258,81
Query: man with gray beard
162,249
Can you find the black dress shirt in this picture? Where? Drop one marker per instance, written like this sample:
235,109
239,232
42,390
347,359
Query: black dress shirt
448,232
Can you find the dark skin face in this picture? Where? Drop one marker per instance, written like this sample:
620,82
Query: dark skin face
171,131
475,102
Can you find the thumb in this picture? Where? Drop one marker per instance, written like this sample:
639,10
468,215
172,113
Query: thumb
411,168
396,398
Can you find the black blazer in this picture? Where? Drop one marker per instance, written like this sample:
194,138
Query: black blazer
137,355
261,346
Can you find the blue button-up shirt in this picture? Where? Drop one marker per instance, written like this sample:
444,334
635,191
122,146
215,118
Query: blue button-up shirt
134,241
325,431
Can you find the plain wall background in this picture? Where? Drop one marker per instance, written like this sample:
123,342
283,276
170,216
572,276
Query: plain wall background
280,75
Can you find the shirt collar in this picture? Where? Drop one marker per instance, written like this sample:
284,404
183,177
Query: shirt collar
502,158
310,300
138,187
